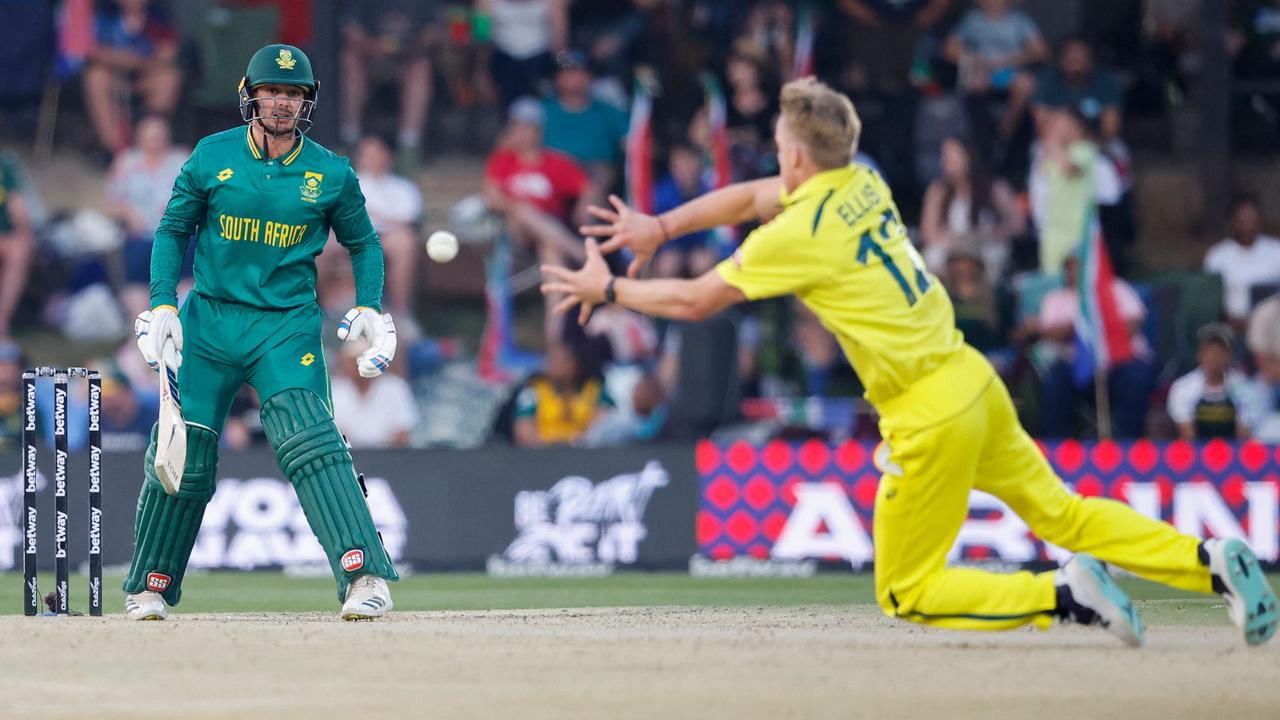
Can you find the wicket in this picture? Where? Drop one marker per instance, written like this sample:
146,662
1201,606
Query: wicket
62,562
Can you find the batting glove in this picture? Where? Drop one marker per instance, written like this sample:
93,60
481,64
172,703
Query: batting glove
378,330
153,329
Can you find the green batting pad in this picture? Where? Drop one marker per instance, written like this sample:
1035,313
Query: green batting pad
166,526
313,455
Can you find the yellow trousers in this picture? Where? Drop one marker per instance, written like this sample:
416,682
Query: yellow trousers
957,430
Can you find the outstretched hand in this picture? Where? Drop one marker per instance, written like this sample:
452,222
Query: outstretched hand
584,288
626,227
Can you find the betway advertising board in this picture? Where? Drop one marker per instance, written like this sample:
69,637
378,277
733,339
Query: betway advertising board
505,510
814,501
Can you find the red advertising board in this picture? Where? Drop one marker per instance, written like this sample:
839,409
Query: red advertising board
814,500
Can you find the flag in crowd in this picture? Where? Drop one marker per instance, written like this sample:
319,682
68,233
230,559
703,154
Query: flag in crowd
1102,338
806,29
639,162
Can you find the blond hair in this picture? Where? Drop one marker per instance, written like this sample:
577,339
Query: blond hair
823,120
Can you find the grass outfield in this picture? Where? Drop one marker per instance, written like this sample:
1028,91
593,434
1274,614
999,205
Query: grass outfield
274,592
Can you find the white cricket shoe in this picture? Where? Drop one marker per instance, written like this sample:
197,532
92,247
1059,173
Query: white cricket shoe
1095,599
1237,577
368,598
145,605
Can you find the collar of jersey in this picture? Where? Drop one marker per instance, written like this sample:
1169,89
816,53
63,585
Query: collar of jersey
825,180
257,152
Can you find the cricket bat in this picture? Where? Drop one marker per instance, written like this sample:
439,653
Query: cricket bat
171,436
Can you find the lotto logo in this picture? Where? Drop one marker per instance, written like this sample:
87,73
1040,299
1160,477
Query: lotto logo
353,560
158,582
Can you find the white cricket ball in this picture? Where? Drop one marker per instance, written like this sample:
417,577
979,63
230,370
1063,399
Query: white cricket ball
442,246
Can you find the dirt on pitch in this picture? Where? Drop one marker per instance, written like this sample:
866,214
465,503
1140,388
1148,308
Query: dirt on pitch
819,662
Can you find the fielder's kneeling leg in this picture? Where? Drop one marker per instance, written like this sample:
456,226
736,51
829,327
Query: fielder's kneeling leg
313,455
166,526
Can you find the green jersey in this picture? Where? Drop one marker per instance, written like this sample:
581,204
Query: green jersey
260,223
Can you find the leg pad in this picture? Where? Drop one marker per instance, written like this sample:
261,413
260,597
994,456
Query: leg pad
313,455
166,526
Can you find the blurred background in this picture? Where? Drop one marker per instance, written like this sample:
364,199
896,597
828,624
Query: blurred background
999,125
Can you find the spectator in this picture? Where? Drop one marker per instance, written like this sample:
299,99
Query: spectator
137,193
751,107
642,422
1254,39
630,337
816,347
1211,401
127,415
1069,179
965,200
1129,383
1264,343
11,367
372,412
390,39
1170,53
588,130
559,406
610,31
525,34
395,208
767,36
992,47
1246,259
136,52
540,193
874,46
17,242
979,311
692,254
1075,82
882,36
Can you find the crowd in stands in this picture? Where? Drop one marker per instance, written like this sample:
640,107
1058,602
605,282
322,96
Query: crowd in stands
1000,127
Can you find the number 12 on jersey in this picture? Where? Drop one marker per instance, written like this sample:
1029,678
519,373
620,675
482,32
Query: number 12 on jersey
889,228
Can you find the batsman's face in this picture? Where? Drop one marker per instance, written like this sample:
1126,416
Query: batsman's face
279,105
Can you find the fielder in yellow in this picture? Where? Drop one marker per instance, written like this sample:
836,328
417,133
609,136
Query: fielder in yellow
833,238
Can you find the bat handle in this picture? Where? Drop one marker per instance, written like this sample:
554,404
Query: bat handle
170,353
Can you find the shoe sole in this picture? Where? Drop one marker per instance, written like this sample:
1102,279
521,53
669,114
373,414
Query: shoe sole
1244,579
357,617
1114,605
153,617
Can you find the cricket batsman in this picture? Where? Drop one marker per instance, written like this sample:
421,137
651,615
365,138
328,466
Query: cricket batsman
261,201
835,240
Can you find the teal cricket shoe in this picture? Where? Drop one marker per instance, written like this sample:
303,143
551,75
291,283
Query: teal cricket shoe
1087,595
1251,602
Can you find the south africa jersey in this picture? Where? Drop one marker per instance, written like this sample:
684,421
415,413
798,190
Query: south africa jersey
260,221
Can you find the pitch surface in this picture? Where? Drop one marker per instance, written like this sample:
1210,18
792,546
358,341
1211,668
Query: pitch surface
670,662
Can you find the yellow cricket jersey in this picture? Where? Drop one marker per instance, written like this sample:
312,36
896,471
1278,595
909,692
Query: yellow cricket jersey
840,246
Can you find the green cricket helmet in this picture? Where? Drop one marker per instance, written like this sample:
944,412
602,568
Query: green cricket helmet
282,65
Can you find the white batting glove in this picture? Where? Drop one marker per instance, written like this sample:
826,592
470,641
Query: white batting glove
378,330
152,329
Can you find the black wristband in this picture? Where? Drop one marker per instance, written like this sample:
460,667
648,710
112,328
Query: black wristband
610,295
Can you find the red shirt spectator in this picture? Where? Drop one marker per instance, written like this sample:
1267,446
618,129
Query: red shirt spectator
551,182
